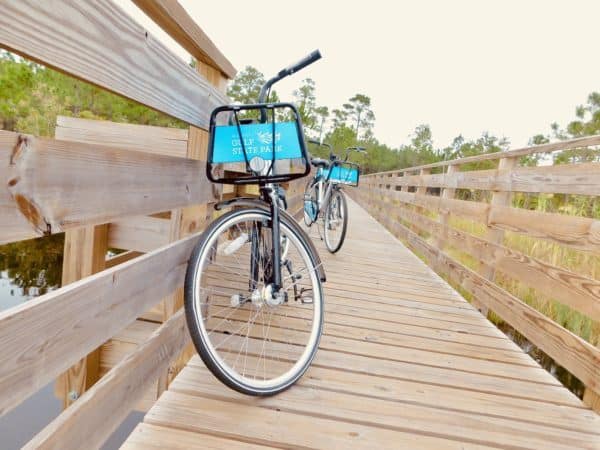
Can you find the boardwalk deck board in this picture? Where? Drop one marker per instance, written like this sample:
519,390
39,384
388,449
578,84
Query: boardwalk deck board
405,362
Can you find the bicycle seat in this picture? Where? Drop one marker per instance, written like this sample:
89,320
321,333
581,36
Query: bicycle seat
318,162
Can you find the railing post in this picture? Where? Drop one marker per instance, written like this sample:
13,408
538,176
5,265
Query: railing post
499,198
592,399
421,190
189,220
84,254
444,215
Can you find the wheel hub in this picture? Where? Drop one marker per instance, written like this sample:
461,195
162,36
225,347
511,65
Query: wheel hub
267,296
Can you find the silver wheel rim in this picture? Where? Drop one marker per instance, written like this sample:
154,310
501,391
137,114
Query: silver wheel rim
232,373
334,208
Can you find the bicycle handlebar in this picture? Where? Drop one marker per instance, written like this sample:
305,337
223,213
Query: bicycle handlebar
355,149
323,144
306,61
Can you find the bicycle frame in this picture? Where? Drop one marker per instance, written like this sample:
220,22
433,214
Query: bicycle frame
323,195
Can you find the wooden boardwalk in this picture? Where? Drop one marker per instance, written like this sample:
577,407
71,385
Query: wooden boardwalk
404,363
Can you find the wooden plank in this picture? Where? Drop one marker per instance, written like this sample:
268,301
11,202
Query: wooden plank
44,336
572,289
337,335
144,138
84,254
215,417
176,22
121,258
441,397
569,350
13,225
444,216
138,233
586,141
123,344
592,399
118,392
152,437
579,179
189,220
59,185
496,236
581,233
418,419
99,43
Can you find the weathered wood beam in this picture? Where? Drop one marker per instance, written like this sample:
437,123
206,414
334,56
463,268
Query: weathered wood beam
570,351
84,254
139,233
572,289
59,185
144,138
119,391
99,43
582,233
580,179
45,336
176,22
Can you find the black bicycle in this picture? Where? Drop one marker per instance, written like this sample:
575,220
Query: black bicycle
324,200
253,294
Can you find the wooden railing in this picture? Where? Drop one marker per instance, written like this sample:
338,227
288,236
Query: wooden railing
140,189
463,219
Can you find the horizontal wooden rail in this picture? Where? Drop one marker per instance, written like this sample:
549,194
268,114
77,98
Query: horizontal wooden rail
43,337
139,233
569,350
578,292
175,21
93,417
57,185
583,179
581,233
144,138
420,209
525,151
98,43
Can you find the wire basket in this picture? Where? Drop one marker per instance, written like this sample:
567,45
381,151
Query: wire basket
342,172
256,144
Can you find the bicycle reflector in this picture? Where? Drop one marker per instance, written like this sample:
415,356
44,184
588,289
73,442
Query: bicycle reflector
262,143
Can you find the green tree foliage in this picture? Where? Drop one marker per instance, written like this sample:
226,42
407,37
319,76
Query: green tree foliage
246,86
35,263
306,103
31,97
321,114
360,115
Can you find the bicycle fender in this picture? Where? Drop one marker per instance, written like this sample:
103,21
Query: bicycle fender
290,221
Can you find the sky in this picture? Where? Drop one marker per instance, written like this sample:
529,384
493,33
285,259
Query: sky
509,67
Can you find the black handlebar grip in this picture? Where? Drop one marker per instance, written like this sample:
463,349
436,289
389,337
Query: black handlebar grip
307,60
314,141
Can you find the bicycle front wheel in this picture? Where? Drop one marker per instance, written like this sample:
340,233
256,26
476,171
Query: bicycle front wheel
254,341
335,221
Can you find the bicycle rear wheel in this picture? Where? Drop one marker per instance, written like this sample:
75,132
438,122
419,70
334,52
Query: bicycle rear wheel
251,340
335,221
311,203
